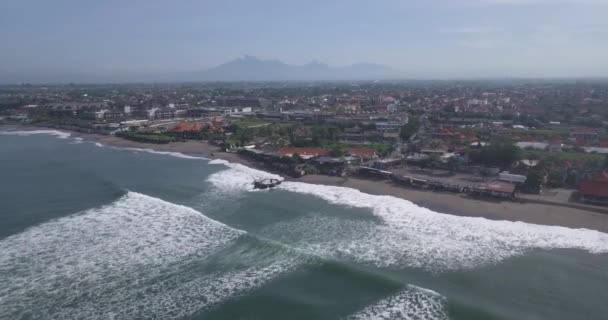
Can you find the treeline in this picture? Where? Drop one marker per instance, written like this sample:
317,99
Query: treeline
146,138
498,154
43,118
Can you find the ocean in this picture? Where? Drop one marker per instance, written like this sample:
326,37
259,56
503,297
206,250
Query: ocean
89,231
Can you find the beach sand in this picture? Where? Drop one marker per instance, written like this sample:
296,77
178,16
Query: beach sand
454,204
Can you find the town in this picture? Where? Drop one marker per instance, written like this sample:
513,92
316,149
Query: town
539,141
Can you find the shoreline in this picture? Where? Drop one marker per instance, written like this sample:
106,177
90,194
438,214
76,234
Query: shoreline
453,204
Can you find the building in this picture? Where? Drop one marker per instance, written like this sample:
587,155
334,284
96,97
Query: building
595,190
364,153
497,189
512,178
388,126
587,136
384,164
304,153
239,102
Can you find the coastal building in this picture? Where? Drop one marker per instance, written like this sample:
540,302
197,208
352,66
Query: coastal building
498,189
595,190
304,153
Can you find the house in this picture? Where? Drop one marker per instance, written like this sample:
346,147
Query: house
334,166
305,153
535,174
498,189
512,178
595,190
384,164
364,153
585,135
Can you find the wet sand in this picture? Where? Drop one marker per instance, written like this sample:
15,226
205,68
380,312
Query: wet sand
441,202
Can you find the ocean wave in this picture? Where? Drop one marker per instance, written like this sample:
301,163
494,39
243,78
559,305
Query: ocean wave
78,140
407,235
152,151
138,257
411,303
237,177
57,133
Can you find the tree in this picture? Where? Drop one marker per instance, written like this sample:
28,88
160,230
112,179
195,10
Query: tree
500,154
533,182
383,150
453,164
243,136
408,130
424,163
484,173
297,158
337,150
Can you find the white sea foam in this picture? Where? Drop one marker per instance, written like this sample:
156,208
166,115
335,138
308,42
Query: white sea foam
139,257
412,303
57,133
167,153
78,140
98,144
219,161
406,235
237,177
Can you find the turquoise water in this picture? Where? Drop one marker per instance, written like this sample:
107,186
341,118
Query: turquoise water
95,232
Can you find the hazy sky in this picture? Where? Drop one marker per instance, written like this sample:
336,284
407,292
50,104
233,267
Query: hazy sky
425,37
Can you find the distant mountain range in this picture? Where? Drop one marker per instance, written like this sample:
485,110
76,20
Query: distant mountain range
247,68
250,68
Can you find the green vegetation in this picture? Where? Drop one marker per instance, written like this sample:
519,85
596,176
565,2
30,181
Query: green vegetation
383,150
408,130
499,153
592,160
337,150
146,138
62,121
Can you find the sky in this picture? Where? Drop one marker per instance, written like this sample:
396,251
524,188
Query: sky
422,38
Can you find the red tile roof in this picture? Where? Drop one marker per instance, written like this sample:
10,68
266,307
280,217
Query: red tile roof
186,127
500,186
362,152
594,188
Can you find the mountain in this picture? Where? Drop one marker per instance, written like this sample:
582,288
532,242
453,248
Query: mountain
249,68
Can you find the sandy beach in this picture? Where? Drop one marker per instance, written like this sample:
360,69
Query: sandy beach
441,202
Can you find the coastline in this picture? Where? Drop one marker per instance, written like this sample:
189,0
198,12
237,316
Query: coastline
454,204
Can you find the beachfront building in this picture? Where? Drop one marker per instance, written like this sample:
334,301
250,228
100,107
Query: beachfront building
496,189
595,190
304,153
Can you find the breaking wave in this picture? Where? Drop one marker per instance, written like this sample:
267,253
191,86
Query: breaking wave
409,304
57,133
138,257
152,151
407,235
237,177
